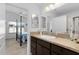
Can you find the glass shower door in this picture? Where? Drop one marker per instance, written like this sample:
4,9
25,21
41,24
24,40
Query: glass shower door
19,30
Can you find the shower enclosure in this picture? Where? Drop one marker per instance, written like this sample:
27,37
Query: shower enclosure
20,33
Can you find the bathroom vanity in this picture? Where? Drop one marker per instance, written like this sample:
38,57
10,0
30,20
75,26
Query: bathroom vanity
51,45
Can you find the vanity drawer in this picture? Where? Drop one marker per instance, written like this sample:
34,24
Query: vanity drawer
43,43
33,50
33,44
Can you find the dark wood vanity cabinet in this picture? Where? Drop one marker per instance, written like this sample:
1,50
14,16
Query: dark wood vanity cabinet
41,47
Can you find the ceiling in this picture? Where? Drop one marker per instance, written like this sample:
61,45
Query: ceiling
68,7
25,7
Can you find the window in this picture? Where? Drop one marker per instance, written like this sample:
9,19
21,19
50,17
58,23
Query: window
12,27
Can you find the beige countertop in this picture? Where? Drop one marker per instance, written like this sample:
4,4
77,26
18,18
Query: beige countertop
63,42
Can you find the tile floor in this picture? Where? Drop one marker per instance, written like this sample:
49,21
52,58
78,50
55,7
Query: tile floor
13,47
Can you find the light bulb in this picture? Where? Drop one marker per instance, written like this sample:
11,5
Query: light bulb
33,15
47,9
51,6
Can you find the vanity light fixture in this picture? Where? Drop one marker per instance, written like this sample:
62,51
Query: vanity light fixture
53,6
49,7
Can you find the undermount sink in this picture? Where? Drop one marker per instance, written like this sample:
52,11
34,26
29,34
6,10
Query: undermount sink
48,37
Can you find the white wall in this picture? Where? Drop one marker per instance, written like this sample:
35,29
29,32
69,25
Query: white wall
2,28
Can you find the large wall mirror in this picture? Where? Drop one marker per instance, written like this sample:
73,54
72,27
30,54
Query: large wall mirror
59,26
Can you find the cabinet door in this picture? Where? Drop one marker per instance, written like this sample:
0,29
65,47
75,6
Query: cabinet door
43,48
56,49
33,46
33,50
44,43
39,49
45,51
33,43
